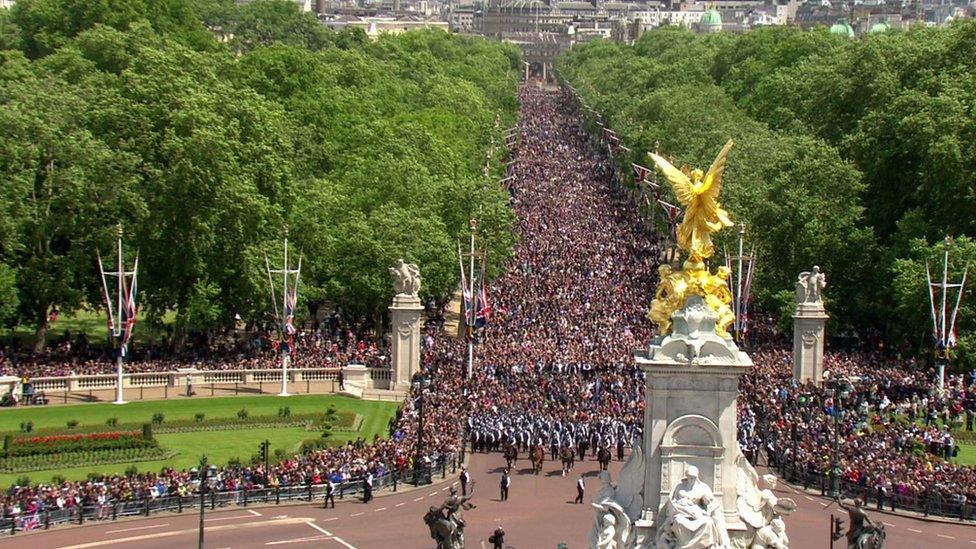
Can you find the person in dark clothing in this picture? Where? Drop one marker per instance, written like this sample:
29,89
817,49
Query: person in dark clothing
497,539
330,494
465,478
504,484
368,488
580,488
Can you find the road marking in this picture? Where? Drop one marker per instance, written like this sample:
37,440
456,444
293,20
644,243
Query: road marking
279,517
444,489
215,519
825,504
171,533
319,528
808,498
380,509
914,530
400,504
888,524
298,540
418,499
356,514
326,532
253,512
945,536
330,519
137,528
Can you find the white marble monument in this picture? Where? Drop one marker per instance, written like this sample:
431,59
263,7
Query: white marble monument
808,327
687,485
405,317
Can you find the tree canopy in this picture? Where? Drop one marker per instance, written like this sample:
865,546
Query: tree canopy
204,148
851,154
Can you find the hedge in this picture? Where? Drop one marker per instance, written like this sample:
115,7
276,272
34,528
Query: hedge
81,442
23,464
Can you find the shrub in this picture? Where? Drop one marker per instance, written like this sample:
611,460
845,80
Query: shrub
7,443
147,431
242,414
199,416
93,476
284,412
131,471
30,426
23,481
72,423
57,480
330,412
280,454
112,422
234,462
158,418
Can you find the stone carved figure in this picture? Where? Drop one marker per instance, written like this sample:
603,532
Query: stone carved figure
760,509
863,532
618,507
406,278
810,285
692,518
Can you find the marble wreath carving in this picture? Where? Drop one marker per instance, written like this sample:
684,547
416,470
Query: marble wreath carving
406,278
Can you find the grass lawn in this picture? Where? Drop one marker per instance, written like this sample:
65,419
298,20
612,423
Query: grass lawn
219,446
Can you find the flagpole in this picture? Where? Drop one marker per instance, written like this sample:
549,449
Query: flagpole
472,313
944,340
284,347
120,352
738,286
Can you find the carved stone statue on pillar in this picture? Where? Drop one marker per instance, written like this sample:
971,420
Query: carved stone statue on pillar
808,326
405,315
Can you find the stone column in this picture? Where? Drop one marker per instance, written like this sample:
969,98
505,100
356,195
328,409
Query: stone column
808,342
405,352
808,326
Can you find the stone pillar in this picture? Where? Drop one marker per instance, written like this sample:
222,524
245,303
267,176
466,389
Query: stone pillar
692,382
808,327
355,378
808,342
405,352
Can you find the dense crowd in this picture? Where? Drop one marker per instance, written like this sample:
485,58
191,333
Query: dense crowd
555,366
893,424
248,350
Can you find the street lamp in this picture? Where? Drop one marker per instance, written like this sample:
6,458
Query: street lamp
421,381
841,387
204,470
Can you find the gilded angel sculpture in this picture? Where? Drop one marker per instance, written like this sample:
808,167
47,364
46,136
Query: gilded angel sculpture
698,193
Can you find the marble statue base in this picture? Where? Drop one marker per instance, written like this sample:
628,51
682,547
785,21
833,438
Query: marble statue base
405,315
688,484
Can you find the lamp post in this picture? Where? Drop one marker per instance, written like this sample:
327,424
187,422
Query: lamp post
421,380
204,469
841,387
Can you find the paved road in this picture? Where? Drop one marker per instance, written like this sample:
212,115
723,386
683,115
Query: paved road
538,515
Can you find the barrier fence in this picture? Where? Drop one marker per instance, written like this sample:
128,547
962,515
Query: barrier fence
214,499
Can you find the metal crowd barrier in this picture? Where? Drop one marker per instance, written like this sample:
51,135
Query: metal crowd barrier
49,518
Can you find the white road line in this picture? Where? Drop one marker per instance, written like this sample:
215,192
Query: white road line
330,519
319,528
824,504
418,499
342,541
137,528
253,512
380,509
945,536
808,498
432,494
888,524
297,540
400,504
227,518
446,488
356,514
914,530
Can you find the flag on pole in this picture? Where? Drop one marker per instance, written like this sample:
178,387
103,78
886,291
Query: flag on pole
129,310
465,290
484,307
30,523
640,172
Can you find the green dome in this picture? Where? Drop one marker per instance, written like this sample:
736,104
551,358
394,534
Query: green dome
842,28
879,27
711,18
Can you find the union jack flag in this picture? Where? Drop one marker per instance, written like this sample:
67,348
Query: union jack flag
129,310
291,299
640,172
30,523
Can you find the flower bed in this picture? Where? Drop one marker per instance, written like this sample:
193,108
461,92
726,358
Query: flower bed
20,446
24,464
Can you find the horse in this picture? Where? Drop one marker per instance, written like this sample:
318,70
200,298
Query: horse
443,531
537,455
872,539
511,455
604,456
567,455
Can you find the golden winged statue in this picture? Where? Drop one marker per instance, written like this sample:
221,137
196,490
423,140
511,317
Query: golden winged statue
698,193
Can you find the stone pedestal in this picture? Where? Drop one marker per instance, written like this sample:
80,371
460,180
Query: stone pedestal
405,350
355,378
808,342
692,382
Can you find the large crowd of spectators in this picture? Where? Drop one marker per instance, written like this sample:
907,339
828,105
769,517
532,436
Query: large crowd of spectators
555,361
